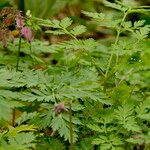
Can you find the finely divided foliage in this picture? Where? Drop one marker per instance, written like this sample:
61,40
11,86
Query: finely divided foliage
96,96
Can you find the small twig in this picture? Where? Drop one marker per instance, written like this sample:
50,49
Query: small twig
14,113
52,134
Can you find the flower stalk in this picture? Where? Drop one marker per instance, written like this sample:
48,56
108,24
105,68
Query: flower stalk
71,127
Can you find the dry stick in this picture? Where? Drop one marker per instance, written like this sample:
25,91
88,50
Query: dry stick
71,128
14,113
17,65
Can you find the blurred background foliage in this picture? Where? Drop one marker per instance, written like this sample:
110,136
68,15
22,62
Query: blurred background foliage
49,8
59,9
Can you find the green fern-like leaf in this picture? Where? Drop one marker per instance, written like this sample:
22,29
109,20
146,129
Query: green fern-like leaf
125,117
66,22
112,142
115,5
25,117
5,109
59,124
143,110
22,141
78,30
19,138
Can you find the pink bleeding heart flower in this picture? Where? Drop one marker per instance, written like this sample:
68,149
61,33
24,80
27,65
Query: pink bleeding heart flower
59,108
19,21
27,33
3,38
11,37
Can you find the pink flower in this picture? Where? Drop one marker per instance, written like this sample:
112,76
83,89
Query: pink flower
11,37
19,21
27,33
59,108
3,38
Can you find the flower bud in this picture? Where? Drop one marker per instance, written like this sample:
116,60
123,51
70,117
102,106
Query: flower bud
3,38
28,13
19,21
59,108
11,37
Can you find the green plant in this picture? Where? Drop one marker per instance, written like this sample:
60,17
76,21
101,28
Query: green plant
85,93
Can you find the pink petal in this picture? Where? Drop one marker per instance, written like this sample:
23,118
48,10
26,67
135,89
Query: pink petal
59,108
11,37
3,38
27,33
19,21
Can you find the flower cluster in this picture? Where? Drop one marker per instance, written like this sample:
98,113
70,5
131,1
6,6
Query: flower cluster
24,31
11,17
7,16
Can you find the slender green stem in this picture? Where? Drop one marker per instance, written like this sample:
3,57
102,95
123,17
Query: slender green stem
19,47
30,49
71,128
111,56
118,33
141,7
14,114
116,41
31,54
67,32
109,63
94,63
21,5
17,65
